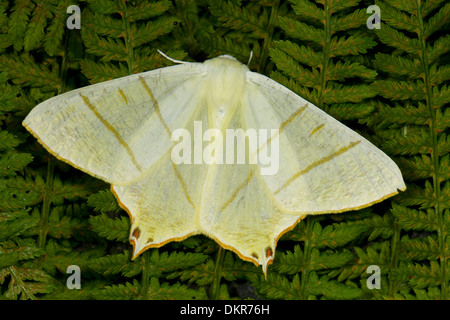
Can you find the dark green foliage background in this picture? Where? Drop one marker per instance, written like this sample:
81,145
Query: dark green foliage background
389,84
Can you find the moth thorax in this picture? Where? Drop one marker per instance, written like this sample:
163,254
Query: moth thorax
225,87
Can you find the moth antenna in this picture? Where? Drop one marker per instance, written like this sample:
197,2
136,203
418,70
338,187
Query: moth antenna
250,58
169,58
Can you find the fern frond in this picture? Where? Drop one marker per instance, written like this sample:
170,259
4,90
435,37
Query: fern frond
302,54
111,229
36,28
418,168
332,289
426,248
126,291
398,18
125,39
399,40
295,71
12,162
15,223
438,21
104,201
201,274
23,70
301,31
22,282
239,18
401,90
176,291
158,264
18,22
418,275
438,49
25,283
352,45
279,287
333,236
62,225
397,65
110,264
156,291
54,33
418,47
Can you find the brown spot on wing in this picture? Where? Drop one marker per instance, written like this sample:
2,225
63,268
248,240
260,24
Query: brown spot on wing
269,252
136,233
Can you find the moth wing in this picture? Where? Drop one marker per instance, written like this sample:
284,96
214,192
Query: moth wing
227,202
324,166
163,205
116,130
238,209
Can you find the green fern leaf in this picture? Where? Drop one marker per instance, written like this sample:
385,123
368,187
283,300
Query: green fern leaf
331,289
300,30
110,264
12,162
104,201
36,28
302,54
235,17
157,263
15,223
126,291
176,291
420,249
411,30
18,22
334,236
55,31
25,283
25,71
418,275
397,39
398,65
279,287
112,229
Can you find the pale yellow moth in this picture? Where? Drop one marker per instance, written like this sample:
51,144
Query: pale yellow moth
122,131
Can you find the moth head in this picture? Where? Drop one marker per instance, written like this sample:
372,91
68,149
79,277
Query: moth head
224,87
